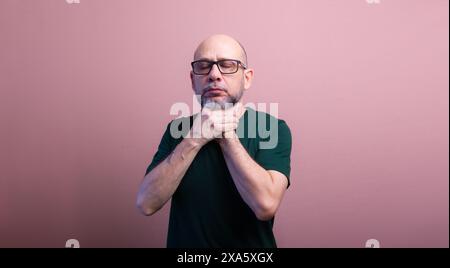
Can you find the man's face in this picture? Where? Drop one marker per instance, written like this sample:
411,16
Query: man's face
215,86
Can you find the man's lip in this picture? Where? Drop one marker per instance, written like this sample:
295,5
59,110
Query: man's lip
214,91
211,87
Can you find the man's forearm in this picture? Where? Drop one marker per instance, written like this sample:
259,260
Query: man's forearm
159,185
253,182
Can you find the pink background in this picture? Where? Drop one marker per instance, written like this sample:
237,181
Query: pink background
86,90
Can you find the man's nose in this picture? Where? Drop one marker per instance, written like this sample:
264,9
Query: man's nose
215,73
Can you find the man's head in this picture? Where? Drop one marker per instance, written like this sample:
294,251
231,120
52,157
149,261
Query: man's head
226,81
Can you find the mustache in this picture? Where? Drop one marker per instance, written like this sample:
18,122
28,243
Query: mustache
213,86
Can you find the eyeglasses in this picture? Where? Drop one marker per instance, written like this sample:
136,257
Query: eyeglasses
203,67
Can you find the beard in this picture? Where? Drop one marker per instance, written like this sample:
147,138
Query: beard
223,103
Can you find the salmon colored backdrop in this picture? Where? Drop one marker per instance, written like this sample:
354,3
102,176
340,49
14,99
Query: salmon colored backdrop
86,91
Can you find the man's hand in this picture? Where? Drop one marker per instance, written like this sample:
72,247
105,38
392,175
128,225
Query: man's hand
214,122
236,112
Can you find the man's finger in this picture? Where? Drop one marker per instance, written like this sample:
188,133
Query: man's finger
222,118
225,127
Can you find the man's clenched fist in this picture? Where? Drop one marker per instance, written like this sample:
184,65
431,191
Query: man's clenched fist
215,122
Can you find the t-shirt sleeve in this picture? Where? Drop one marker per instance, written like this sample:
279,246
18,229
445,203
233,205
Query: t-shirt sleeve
164,149
279,157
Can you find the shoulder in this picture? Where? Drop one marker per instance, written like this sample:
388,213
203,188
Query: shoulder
268,120
179,127
271,131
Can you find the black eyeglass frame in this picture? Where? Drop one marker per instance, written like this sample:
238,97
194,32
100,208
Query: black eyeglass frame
212,63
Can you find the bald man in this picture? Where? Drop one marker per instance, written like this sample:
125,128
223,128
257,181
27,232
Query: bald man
225,188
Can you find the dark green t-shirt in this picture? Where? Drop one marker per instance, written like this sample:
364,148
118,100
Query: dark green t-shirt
207,209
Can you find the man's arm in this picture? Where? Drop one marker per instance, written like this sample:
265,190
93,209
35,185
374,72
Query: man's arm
159,184
261,189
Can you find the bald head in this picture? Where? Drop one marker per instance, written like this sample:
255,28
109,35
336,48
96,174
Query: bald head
221,46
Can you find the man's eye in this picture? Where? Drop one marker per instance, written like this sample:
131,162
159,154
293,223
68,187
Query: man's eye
227,64
203,65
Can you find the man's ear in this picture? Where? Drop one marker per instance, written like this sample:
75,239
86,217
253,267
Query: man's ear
248,78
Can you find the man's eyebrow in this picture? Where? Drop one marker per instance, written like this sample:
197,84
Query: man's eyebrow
221,58
203,59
